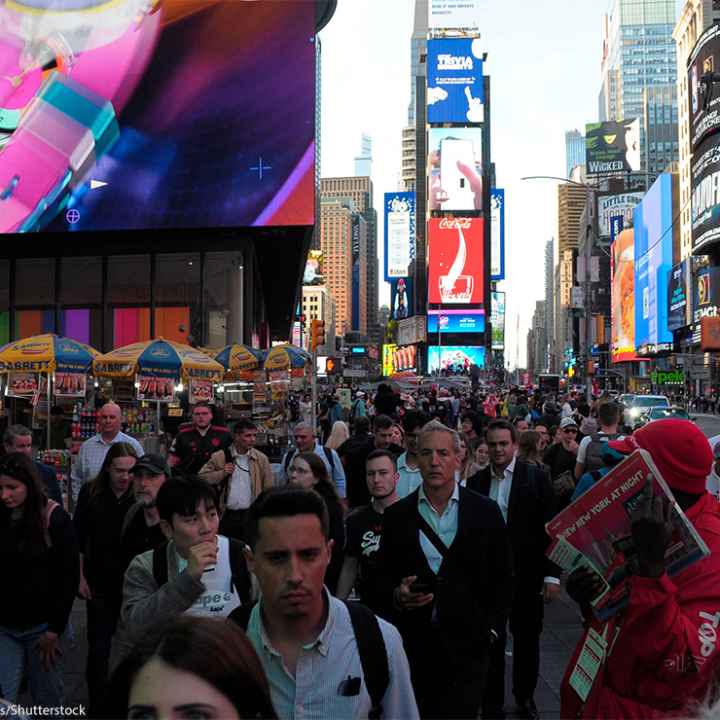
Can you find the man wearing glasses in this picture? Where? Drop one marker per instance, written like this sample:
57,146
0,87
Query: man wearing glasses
408,465
561,458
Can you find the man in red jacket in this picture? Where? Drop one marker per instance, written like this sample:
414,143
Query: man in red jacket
660,653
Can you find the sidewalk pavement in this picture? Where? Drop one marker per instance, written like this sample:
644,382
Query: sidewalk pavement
560,635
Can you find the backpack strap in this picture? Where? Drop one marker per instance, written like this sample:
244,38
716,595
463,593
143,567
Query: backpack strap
49,510
373,654
329,455
129,517
289,455
240,573
160,565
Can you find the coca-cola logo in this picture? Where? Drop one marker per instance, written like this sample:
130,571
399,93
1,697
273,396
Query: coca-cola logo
455,223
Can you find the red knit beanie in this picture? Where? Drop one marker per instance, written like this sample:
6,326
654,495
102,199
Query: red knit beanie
679,449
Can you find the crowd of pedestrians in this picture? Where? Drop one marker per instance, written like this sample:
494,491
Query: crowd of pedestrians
376,574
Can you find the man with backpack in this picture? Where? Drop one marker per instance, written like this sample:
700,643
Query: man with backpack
197,571
590,450
305,441
323,658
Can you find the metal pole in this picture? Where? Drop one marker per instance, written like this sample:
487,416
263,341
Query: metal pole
49,380
313,387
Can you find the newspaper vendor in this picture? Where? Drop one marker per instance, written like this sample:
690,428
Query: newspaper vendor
659,654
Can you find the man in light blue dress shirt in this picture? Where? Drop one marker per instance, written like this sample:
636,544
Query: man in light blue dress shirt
303,636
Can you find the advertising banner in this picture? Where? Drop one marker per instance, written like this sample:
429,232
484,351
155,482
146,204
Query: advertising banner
653,225
612,147
313,274
21,385
623,297
454,14
454,81
706,293
70,385
387,365
613,206
401,298
411,330
199,391
705,58
157,389
497,234
454,360
456,321
456,259
679,296
399,234
399,359
705,179
455,169
497,320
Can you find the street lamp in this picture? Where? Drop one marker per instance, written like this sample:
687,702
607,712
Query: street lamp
588,257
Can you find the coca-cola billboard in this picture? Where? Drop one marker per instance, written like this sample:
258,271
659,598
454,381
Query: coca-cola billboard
457,262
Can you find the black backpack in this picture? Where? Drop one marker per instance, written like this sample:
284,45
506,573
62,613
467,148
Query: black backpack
240,576
594,450
371,648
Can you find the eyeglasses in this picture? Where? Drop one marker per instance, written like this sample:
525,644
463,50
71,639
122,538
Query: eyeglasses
570,430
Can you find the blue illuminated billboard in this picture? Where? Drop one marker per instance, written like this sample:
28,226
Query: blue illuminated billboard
399,211
455,81
497,234
453,359
456,321
653,223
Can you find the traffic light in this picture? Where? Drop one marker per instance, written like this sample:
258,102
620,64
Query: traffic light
317,334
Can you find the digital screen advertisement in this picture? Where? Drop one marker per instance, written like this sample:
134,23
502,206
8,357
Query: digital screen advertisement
623,297
455,169
705,200
399,233
456,321
401,298
706,293
399,359
497,320
704,110
679,296
454,360
616,206
497,234
612,147
456,261
653,223
455,91
455,14
149,115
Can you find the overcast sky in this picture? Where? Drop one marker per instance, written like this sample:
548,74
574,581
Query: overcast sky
544,65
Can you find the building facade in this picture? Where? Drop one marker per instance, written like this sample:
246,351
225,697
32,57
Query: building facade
363,162
549,306
696,16
574,150
639,58
318,304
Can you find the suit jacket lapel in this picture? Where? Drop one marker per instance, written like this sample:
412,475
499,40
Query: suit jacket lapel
485,479
414,530
516,489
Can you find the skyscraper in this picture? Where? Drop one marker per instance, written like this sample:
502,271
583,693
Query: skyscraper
549,306
360,190
363,162
574,150
695,17
638,60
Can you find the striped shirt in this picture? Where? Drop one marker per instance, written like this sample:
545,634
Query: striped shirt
92,456
323,665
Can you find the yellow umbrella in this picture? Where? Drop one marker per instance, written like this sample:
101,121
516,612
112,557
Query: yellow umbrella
286,357
45,354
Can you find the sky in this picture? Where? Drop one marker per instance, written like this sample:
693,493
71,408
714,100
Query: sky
544,64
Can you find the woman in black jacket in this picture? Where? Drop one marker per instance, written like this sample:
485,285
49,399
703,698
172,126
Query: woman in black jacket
40,565
308,471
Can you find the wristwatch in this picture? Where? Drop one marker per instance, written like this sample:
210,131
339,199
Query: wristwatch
67,69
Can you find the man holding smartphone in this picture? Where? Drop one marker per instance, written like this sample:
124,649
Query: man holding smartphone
445,564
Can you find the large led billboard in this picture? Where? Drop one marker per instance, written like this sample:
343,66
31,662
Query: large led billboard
454,359
142,115
653,225
455,91
704,109
456,321
705,198
456,261
612,147
616,206
497,234
679,295
706,293
399,234
623,297
401,298
455,14
497,320
455,169
399,359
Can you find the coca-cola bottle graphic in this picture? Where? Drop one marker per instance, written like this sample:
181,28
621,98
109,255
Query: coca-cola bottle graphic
456,288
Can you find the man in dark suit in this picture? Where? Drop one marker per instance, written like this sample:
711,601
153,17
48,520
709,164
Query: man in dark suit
445,565
525,497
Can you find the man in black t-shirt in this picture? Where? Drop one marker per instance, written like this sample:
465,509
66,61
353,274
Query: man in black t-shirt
363,528
194,444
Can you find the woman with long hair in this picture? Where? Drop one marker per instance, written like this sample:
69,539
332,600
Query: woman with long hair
193,667
338,435
99,516
528,448
468,466
308,471
40,566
